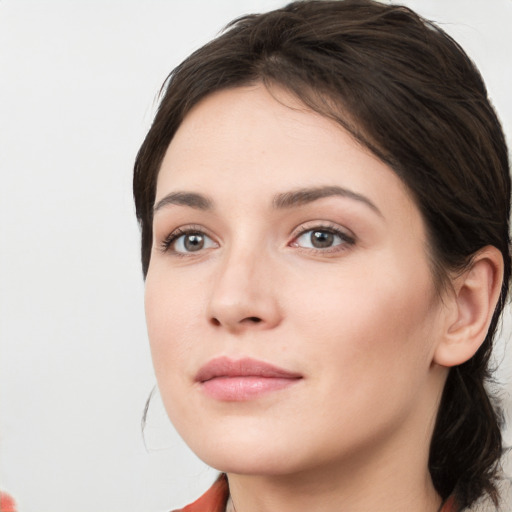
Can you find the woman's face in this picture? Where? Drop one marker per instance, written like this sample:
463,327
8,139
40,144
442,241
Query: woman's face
290,305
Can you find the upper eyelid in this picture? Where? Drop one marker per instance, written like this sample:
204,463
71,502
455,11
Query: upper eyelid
322,225
189,228
301,228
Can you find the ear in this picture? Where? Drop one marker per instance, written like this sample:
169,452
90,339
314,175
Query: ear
470,308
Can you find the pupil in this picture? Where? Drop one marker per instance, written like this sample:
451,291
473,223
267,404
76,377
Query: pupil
321,239
194,242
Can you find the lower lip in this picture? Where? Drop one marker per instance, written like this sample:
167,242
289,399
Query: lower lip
239,389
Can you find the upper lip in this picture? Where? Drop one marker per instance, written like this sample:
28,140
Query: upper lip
246,367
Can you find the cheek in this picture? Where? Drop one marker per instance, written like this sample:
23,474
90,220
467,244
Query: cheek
168,315
173,316
369,351
372,320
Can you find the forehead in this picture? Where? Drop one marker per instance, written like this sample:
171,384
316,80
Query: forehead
250,141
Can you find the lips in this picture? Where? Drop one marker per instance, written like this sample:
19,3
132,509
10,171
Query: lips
243,379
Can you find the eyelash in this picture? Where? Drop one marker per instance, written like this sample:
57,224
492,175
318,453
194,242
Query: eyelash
347,240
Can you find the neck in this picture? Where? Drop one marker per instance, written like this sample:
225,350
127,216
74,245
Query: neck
252,494
394,490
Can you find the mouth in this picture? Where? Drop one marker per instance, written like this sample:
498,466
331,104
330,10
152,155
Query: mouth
239,380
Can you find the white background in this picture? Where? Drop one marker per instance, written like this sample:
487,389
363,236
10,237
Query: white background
78,81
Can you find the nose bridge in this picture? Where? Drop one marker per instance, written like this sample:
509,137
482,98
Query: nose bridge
242,293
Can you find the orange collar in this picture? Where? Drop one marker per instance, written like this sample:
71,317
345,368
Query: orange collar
213,500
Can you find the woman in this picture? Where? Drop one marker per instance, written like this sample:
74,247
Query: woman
324,200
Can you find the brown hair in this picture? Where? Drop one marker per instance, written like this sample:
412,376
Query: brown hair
410,94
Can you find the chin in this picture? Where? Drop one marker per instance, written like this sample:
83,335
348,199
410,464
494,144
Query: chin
252,464
246,455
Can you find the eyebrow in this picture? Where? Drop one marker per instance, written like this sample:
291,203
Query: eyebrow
304,196
285,200
191,199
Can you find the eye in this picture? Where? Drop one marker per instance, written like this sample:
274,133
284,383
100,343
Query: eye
322,238
186,242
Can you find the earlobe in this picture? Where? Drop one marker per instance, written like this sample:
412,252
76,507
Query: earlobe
472,305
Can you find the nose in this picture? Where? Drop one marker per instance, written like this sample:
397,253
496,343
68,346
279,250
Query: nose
244,294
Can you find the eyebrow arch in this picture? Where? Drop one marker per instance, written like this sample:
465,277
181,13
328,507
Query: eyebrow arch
304,196
191,199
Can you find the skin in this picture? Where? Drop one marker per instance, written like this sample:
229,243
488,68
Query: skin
360,321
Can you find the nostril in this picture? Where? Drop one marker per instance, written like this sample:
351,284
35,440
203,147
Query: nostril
247,320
